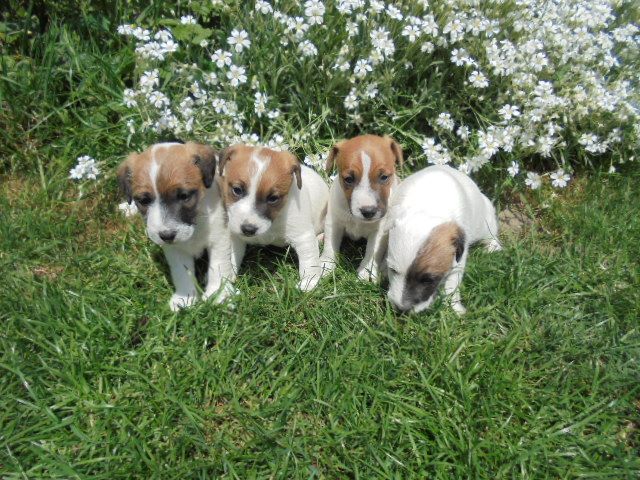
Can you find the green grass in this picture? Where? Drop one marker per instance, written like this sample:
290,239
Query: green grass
100,380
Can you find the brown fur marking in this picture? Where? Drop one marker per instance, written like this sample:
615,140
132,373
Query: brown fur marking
439,249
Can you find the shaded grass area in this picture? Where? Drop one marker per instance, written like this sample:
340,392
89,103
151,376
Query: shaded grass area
100,380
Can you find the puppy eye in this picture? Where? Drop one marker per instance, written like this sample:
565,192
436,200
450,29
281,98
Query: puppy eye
393,271
144,200
272,199
349,180
384,178
184,196
425,278
237,190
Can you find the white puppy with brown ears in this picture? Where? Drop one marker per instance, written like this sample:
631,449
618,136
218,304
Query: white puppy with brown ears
266,207
435,215
359,196
173,187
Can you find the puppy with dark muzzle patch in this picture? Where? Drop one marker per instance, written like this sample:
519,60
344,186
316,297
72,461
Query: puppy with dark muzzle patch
273,200
358,199
174,190
434,216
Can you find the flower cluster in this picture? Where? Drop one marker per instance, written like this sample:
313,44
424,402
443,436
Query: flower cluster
86,169
469,84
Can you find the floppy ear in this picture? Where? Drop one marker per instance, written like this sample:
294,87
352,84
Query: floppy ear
458,243
295,168
205,159
224,157
124,178
331,159
397,151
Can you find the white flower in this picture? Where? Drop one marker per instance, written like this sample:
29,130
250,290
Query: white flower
371,91
314,11
297,26
188,20
478,80
352,29
412,32
533,180
394,12
149,79
559,178
158,99
509,111
239,40
273,114
445,121
361,68
263,7
128,209
307,49
612,169
260,103
210,78
463,132
351,100
129,98
236,75
86,169
221,58
514,169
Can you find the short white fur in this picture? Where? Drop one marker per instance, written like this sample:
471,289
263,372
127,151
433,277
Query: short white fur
423,201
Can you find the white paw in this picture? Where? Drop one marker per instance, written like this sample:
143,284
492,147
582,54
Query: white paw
179,302
493,246
308,282
327,267
368,274
458,308
219,293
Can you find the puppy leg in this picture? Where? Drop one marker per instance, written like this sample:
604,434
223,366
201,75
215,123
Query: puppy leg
238,249
183,276
452,285
370,265
333,233
491,242
306,247
220,274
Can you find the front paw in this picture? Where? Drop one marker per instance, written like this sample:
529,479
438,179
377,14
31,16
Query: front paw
458,308
220,294
327,267
308,282
368,274
178,302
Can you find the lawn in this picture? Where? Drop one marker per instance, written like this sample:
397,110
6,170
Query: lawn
99,379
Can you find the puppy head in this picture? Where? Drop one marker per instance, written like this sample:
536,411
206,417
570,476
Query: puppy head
167,181
366,166
256,183
417,266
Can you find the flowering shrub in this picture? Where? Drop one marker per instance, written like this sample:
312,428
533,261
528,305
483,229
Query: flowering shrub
531,88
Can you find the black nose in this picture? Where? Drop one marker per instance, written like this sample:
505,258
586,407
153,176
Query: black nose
167,235
368,212
248,229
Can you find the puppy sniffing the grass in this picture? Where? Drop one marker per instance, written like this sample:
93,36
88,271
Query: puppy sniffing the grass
174,190
435,215
272,200
358,199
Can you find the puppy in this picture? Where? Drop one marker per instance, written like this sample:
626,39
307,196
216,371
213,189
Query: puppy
358,199
435,215
174,189
265,206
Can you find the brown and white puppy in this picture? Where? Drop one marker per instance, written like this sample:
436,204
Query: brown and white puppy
434,216
359,196
272,200
174,190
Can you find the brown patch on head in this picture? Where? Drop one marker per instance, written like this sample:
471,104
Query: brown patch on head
433,262
176,169
275,181
384,152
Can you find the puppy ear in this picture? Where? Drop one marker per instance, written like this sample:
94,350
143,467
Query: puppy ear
124,177
331,159
205,159
294,168
458,243
225,155
396,149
